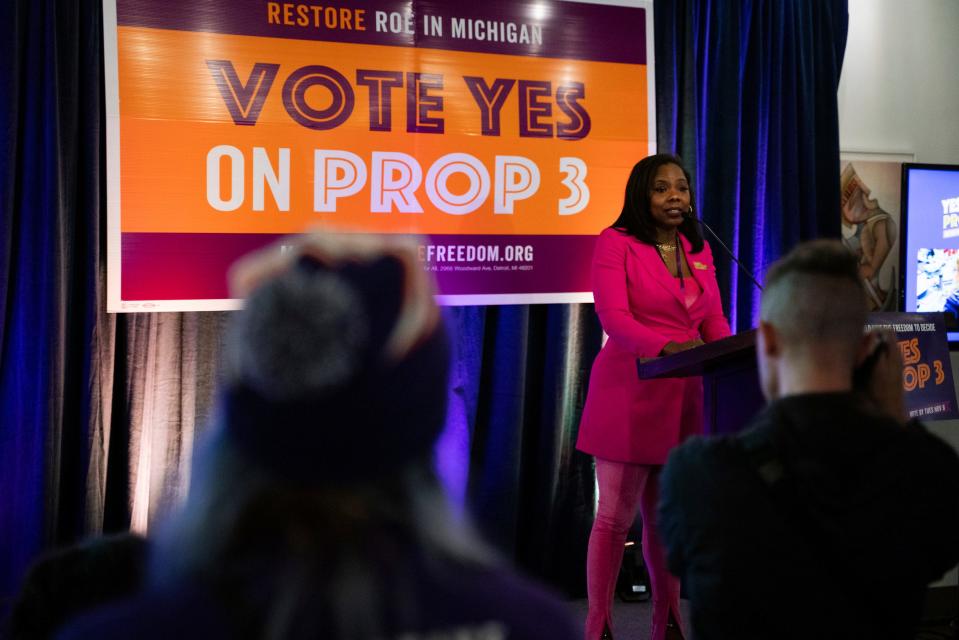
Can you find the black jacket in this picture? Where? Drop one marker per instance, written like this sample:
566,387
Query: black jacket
824,519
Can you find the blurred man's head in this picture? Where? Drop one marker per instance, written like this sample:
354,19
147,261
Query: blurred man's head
811,325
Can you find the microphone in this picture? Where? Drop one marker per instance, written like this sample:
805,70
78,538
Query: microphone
689,215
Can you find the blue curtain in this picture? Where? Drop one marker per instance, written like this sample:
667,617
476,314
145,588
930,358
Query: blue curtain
746,94
524,370
50,216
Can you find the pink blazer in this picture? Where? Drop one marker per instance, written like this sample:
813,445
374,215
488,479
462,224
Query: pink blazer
641,308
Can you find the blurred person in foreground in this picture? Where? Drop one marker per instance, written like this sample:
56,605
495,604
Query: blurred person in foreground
68,581
830,515
314,510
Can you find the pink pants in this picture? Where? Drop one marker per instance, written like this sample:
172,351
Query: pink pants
622,488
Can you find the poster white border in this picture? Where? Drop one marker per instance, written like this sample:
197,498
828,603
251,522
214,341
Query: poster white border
111,79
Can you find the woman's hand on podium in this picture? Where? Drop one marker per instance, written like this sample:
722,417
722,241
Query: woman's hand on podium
675,347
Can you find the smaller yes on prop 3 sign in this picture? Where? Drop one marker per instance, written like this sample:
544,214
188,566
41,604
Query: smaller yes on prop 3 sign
927,371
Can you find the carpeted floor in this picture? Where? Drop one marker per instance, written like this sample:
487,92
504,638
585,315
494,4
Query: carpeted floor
630,619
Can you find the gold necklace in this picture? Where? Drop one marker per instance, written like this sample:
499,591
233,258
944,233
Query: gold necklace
666,246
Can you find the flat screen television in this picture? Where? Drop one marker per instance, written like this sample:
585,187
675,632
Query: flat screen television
930,241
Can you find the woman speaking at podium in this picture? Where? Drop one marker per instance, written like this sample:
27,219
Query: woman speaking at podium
656,294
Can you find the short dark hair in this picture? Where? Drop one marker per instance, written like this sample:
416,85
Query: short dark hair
814,294
636,219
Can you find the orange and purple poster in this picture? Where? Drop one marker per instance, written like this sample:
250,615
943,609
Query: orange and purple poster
498,133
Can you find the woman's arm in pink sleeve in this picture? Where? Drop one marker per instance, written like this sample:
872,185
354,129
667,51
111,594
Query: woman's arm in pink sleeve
612,301
714,325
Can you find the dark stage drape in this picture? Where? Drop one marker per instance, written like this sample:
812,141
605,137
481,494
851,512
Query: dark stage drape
746,94
50,207
98,413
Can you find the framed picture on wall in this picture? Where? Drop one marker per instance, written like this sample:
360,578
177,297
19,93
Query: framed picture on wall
870,184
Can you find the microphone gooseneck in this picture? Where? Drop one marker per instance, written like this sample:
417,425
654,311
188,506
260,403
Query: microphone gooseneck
702,223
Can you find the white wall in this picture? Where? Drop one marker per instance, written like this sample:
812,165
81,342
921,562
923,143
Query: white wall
899,93
899,88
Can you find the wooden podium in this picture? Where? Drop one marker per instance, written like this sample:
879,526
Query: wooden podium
731,392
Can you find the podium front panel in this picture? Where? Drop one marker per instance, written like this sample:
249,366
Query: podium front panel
731,397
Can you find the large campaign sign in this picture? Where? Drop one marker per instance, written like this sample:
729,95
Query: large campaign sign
500,134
